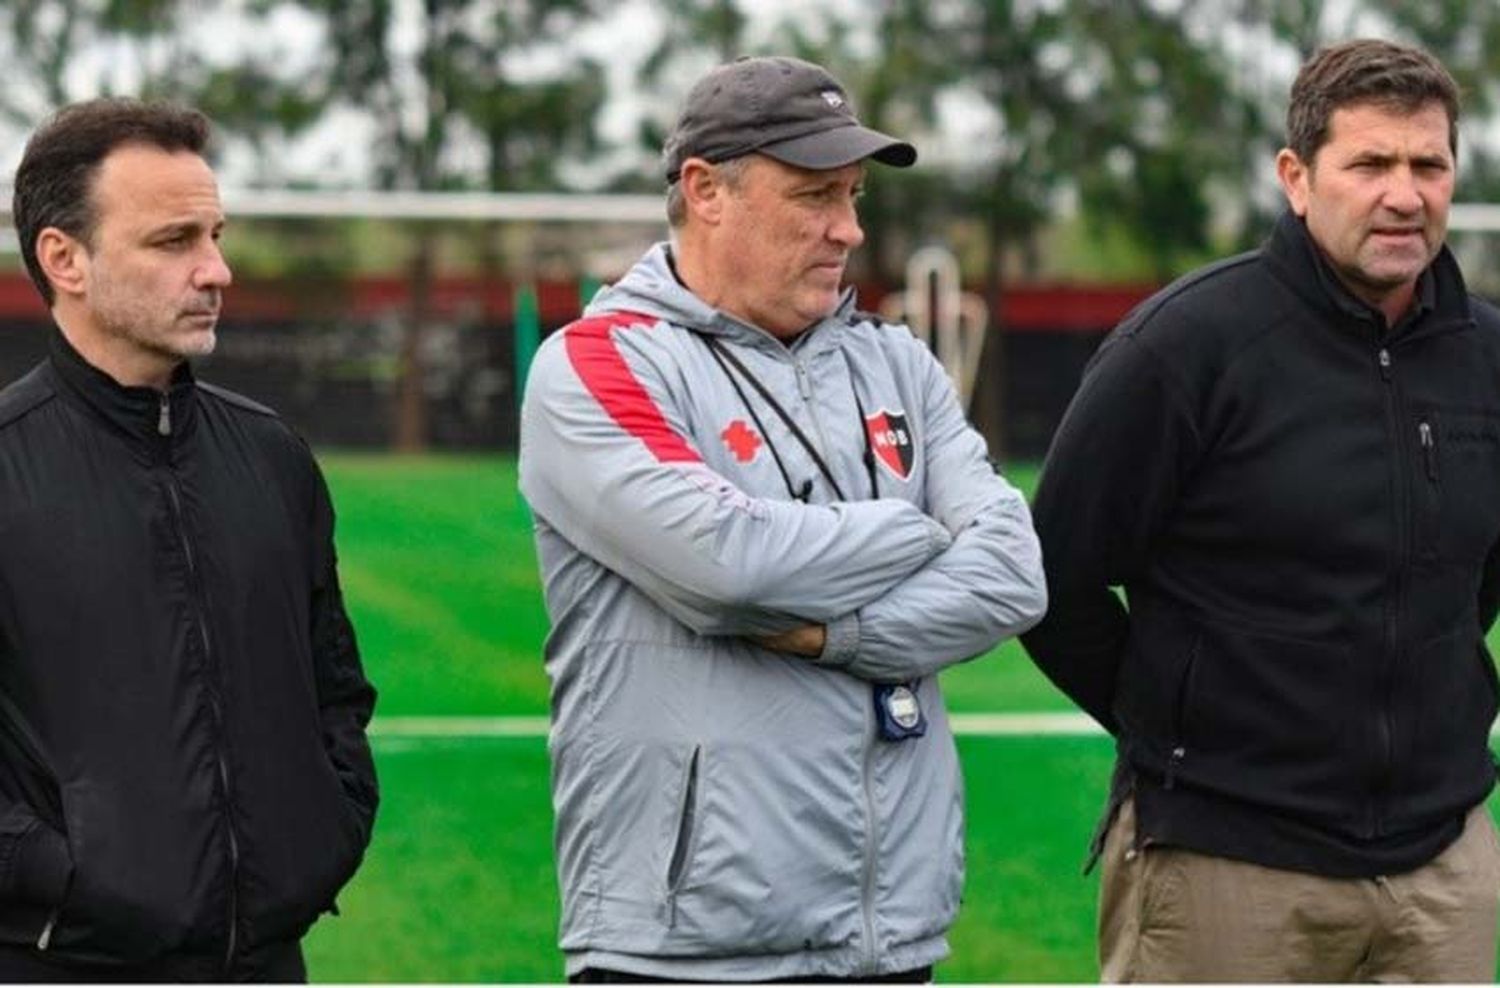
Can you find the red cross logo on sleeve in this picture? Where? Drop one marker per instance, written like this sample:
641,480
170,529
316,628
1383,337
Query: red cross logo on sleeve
741,440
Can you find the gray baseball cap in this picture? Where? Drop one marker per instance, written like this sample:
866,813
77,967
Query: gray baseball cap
788,109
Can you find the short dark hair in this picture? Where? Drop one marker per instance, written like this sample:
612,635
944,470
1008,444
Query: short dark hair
54,182
1367,71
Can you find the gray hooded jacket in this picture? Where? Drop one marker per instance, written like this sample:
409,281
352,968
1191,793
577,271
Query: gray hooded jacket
726,812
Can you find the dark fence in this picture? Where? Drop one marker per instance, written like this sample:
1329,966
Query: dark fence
328,357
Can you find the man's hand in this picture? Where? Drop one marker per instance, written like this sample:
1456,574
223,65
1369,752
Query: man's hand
806,641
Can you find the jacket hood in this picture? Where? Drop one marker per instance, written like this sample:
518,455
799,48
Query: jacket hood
651,288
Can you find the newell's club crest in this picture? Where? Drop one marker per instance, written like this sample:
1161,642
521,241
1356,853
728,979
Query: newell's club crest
890,438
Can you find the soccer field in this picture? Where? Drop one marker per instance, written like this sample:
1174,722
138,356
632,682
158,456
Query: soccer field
438,571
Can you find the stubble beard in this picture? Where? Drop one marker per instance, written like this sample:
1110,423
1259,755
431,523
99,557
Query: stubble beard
152,328
155,335
1388,271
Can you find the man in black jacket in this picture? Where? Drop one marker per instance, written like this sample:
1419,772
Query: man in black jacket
1290,461
185,783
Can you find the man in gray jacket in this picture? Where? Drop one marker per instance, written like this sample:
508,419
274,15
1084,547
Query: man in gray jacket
764,527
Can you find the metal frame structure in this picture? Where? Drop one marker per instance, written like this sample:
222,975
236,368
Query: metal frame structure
542,207
1474,217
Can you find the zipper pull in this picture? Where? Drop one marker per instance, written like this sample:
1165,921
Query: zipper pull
164,419
804,387
45,940
1384,359
1429,449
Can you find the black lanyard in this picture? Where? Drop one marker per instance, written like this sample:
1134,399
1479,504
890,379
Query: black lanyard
894,723
727,360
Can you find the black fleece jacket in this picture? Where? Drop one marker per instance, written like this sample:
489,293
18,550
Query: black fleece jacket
1303,509
183,765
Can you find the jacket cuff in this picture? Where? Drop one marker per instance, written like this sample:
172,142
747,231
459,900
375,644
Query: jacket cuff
840,641
43,865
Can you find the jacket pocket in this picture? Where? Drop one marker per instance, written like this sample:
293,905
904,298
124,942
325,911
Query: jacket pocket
302,854
748,852
1155,688
1429,487
42,866
1271,720
29,768
682,847
125,902
1447,702
1177,750
1456,484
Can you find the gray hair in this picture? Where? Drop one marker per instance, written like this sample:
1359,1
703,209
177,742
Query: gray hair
731,173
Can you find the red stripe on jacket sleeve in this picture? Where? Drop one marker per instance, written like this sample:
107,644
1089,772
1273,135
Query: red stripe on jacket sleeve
603,370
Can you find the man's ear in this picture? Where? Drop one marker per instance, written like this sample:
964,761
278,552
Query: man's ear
1295,176
703,190
63,259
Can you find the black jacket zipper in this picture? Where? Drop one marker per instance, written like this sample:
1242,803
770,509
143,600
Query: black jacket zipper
1394,603
216,710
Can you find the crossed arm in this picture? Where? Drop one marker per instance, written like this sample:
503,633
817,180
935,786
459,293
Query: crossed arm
987,585
879,588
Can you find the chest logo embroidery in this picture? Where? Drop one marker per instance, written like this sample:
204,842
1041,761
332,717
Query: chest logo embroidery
890,438
741,440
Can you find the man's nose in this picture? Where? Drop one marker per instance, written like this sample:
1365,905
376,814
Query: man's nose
846,230
1402,192
212,271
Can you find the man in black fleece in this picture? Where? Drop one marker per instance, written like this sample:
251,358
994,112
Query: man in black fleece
1290,462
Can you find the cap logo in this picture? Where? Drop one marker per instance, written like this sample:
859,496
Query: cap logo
832,98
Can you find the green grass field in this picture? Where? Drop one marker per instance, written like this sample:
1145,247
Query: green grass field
439,574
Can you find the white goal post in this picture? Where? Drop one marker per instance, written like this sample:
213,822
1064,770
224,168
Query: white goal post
535,207
1474,217
1477,217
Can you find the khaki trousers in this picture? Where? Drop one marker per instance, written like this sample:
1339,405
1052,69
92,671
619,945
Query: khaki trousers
1170,915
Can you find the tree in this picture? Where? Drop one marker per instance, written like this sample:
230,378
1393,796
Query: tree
1114,101
449,101
894,66
46,42
714,27
40,39
1466,38
696,34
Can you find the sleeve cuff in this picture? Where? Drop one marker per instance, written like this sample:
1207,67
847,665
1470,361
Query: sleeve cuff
841,641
